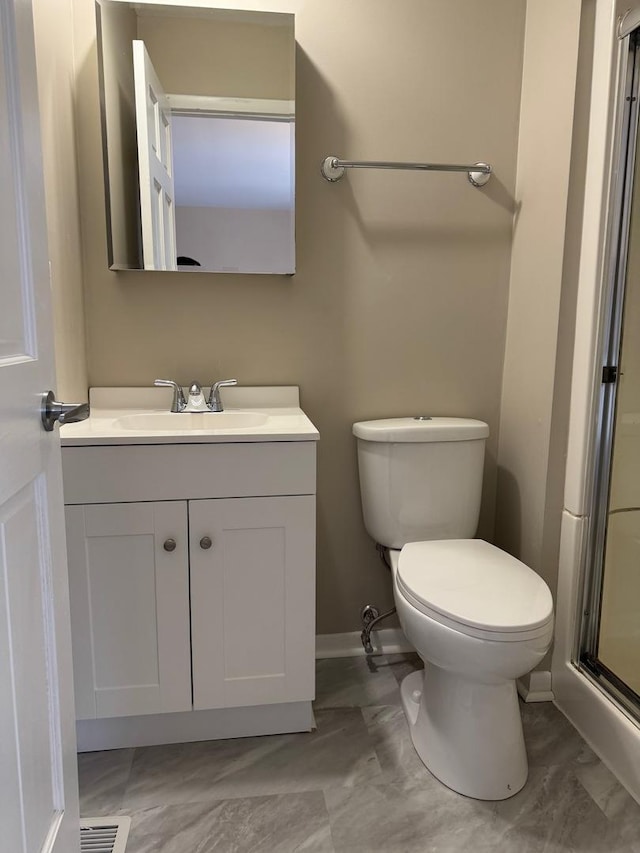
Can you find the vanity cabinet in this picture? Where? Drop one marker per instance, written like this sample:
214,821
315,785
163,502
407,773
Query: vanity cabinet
250,589
192,582
129,608
135,591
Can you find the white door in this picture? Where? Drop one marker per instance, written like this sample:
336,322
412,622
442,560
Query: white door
252,600
155,165
129,579
38,778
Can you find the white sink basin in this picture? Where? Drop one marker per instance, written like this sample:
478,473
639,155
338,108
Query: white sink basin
183,421
142,416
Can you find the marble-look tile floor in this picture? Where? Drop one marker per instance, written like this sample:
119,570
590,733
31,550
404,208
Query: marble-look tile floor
356,785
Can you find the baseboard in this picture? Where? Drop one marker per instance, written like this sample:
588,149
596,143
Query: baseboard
189,726
536,686
387,641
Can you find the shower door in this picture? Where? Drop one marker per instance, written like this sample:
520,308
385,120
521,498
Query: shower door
610,639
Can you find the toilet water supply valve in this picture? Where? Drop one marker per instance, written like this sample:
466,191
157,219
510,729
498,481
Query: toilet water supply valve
370,617
370,614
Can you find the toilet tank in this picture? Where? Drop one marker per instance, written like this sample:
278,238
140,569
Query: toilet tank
420,478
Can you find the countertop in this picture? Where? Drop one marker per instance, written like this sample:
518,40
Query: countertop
284,419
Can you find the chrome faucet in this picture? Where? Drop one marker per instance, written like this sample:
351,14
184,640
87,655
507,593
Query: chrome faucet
196,401
214,402
178,404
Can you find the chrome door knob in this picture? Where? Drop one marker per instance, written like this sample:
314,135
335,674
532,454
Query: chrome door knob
66,413
169,545
206,543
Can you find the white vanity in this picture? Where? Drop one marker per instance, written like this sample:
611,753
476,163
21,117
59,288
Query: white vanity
191,545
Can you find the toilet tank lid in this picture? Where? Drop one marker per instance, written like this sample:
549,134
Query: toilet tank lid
421,428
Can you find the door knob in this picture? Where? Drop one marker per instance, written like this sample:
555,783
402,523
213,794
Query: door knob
206,543
169,545
67,413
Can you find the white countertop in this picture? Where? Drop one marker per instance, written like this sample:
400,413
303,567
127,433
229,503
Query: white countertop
111,408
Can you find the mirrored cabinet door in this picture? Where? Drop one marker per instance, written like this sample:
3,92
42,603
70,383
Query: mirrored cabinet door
198,121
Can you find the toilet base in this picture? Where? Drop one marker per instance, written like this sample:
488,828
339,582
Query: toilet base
468,734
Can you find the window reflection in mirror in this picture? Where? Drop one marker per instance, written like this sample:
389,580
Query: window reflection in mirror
198,136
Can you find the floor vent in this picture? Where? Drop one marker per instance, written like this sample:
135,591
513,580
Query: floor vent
104,834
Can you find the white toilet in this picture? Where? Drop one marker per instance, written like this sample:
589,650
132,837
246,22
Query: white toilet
477,617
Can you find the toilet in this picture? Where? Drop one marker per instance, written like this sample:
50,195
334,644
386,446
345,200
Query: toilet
478,617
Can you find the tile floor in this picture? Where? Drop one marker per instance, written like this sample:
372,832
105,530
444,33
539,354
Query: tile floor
356,785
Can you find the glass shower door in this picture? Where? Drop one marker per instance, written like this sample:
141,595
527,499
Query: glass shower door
619,635
610,645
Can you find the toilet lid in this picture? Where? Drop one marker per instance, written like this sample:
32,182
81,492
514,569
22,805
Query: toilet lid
476,584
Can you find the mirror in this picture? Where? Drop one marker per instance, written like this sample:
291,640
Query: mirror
198,131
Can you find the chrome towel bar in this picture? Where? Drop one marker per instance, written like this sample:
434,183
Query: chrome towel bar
333,168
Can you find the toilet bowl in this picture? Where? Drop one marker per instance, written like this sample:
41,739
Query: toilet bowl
475,639
478,617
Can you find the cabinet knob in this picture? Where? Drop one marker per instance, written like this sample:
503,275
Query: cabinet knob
169,545
205,543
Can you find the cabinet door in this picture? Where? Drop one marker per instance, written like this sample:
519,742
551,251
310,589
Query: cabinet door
252,600
129,608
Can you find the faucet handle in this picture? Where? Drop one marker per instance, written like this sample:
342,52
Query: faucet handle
214,402
179,404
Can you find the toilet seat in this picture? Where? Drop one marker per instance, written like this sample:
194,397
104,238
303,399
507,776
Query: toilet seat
474,587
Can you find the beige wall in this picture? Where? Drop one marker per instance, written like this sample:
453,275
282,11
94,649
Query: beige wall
530,454
393,270
399,303
225,58
53,24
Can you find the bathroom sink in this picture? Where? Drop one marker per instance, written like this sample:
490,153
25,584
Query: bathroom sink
191,421
142,416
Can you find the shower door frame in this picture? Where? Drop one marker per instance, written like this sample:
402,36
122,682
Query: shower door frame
616,260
